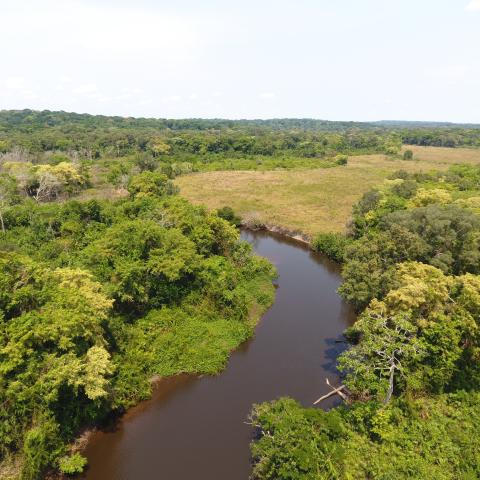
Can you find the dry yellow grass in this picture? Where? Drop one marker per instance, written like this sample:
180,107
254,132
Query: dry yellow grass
310,201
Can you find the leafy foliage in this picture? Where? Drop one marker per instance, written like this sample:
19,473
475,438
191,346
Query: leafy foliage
72,464
174,147
412,219
422,329
229,215
412,269
333,245
96,298
150,184
43,182
415,439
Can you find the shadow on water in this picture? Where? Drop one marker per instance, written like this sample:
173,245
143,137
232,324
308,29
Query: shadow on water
194,427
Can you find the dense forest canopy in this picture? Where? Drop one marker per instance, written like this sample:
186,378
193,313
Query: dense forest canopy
96,298
95,136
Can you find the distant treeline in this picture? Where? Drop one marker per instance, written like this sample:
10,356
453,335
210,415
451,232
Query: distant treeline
95,136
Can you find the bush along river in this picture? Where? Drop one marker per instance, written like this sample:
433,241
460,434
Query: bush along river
195,427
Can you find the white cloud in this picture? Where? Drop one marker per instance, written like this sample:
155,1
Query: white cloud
473,6
124,96
172,99
102,98
197,50
92,92
29,95
21,88
106,30
128,93
85,89
15,83
451,74
127,31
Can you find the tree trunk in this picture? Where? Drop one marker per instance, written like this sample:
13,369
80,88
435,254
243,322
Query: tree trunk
390,387
1,222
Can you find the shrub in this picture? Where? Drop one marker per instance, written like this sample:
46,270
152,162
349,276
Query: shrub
181,168
228,214
408,155
392,149
253,221
41,446
432,196
56,158
145,162
332,245
73,464
341,159
148,184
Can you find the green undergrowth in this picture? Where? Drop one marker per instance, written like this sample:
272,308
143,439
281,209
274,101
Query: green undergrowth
333,245
421,439
262,163
191,338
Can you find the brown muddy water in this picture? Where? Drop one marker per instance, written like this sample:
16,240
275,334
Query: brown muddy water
194,428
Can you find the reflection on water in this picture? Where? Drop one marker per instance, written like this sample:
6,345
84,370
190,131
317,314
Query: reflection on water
194,427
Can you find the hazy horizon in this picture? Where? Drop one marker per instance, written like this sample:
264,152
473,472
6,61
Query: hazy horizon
383,120
365,61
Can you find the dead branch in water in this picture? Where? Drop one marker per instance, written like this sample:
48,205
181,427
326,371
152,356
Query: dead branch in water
335,391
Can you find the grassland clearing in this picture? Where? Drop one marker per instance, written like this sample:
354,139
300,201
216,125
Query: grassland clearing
311,201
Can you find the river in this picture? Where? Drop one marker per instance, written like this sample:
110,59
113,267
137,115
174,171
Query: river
193,428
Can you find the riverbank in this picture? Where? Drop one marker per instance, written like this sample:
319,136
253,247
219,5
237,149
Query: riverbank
414,278
140,297
284,232
261,292
194,427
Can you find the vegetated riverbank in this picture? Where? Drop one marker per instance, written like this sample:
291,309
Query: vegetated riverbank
256,225
412,270
97,297
197,427
162,387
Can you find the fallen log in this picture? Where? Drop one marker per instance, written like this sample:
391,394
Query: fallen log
335,391
338,390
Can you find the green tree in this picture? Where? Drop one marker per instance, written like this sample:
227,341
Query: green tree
159,147
145,162
8,195
387,344
151,184
229,215
141,262
420,329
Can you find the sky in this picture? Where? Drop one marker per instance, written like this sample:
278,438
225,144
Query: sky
357,60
